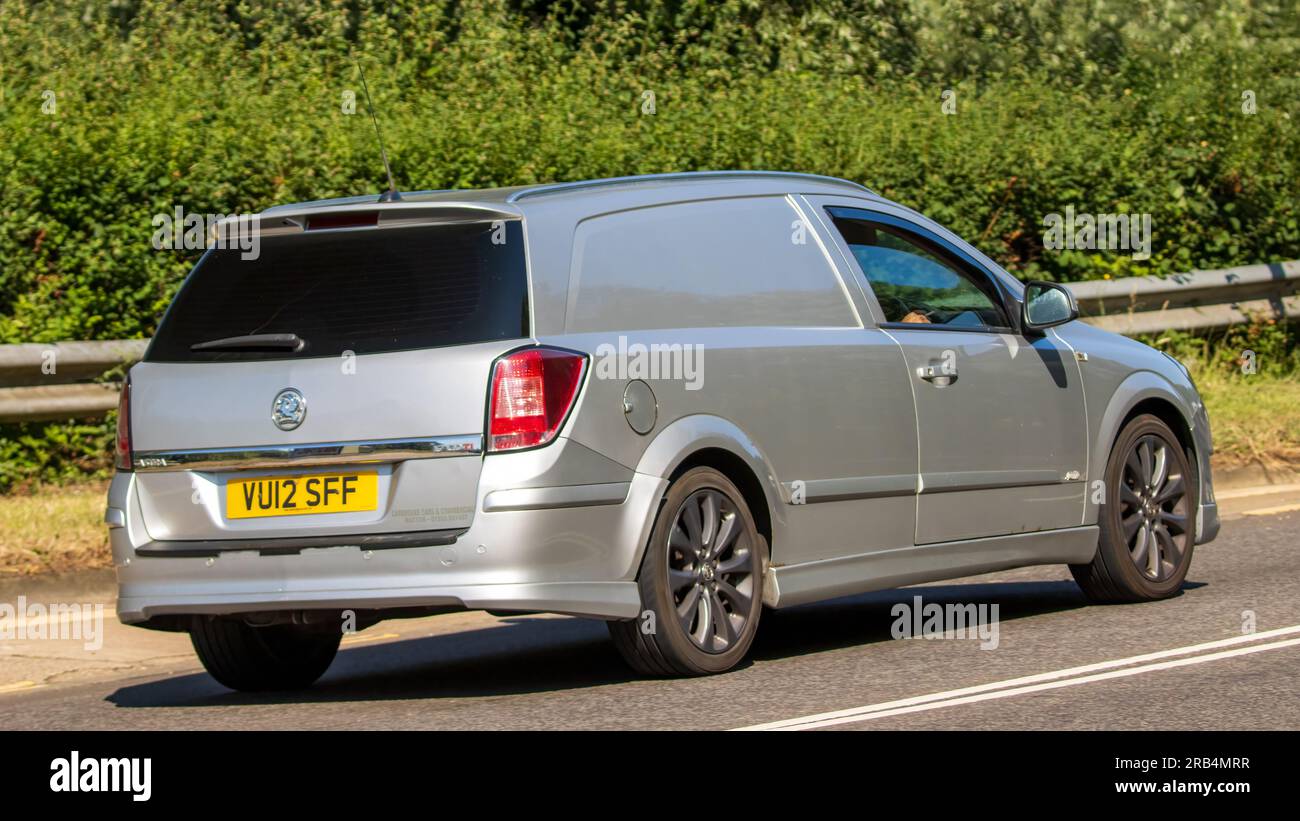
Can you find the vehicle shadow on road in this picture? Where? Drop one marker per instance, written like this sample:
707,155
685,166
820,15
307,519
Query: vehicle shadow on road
522,655
532,654
870,617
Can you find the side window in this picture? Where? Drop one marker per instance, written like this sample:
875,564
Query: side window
746,262
914,281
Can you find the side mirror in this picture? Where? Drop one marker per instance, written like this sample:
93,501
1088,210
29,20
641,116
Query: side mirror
1046,305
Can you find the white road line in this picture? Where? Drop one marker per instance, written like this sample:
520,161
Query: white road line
1023,684
1052,685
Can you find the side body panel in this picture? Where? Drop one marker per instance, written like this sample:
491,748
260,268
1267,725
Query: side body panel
1119,374
1003,438
825,399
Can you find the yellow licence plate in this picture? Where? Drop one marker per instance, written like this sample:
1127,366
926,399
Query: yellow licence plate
294,495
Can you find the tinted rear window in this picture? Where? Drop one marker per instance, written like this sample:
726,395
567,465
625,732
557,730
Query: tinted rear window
366,291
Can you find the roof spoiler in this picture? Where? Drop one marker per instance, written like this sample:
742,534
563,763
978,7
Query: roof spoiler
364,213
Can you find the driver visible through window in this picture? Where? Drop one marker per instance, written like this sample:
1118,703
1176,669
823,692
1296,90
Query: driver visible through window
913,284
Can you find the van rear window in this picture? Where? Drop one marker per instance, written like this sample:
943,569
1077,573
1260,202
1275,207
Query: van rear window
365,291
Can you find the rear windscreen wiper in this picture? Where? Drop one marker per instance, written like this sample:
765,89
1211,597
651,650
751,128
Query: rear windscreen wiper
276,342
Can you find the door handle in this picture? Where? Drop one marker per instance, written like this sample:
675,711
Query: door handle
937,375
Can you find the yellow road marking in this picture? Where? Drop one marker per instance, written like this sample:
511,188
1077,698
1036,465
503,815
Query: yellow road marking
1260,490
376,637
1269,511
19,685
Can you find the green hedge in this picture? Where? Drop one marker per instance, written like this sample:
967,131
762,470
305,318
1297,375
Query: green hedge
234,106
220,107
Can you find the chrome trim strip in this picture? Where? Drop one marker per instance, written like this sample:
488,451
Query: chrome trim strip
989,480
540,498
293,545
852,487
320,453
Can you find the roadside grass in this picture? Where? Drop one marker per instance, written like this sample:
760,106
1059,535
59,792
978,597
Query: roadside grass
54,529
1254,419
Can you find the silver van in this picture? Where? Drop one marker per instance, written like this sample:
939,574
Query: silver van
667,402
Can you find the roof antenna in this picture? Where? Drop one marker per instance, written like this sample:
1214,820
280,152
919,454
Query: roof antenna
391,195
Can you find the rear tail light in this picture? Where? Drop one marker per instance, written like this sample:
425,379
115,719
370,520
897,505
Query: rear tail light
532,393
122,457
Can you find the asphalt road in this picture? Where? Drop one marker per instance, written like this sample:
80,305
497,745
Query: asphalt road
475,671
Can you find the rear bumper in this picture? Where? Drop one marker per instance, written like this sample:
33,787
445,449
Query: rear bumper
607,600
571,548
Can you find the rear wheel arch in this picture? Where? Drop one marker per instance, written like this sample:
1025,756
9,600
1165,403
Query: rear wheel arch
738,471
701,584
711,441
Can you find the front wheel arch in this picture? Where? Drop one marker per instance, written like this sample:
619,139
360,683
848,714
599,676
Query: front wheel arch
1142,392
1167,412
1136,512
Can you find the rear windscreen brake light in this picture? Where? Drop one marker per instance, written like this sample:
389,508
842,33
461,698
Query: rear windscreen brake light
345,219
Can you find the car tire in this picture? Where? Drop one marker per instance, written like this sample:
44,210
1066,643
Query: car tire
1150,505
705,557
258,659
